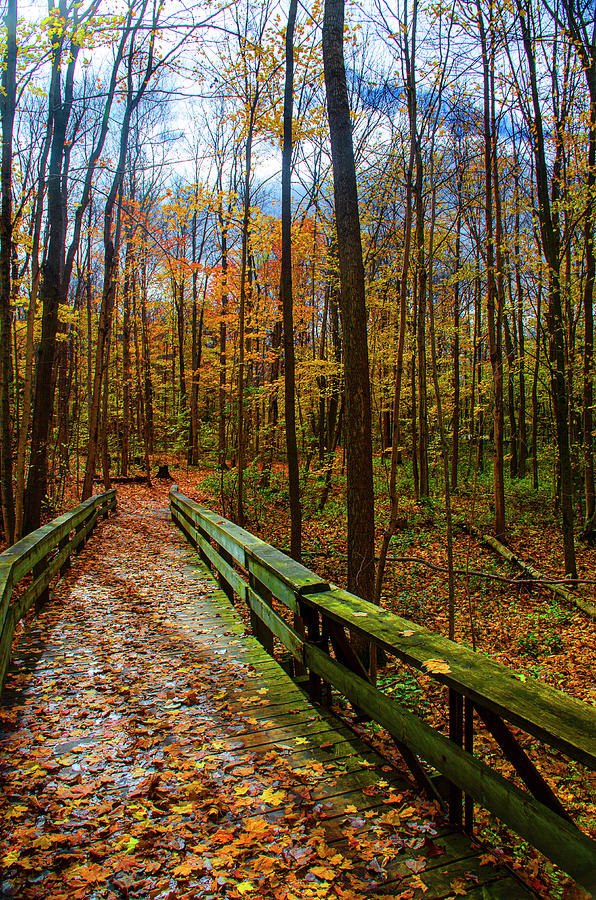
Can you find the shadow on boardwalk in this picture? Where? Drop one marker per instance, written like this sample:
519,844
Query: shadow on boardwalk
151,750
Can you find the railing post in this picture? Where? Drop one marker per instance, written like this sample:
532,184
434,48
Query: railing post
263,634
81,545
225,586
45,594
456,731
469,748
310,617
67,562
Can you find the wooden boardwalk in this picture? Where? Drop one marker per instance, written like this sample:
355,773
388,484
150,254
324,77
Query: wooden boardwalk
100,710
447,862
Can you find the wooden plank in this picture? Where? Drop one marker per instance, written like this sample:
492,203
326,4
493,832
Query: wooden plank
26,553
6,583
524,767
282,632
12,613
439,875
6,638
230,536
544,712
502,888
231,575
546,831
286,579
35,590
286,718
287,738
32,548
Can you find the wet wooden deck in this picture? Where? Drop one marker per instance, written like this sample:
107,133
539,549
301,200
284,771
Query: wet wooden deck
355,780
140,669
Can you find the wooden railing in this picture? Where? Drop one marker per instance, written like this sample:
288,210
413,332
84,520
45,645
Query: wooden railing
43,554
309,618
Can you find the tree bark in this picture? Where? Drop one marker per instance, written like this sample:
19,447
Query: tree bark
455,354
52,281
550,237
7,113
360,498
494,298
287,301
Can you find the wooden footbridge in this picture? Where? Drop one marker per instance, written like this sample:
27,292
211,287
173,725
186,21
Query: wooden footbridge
301,656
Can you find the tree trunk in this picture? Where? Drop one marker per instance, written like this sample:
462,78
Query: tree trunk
221,447
421,276
287,301
242,312
510,351
535,391
360,498
51,287
494,306
588,373
523,434
455,354
127,292
549,231
111,246
147,380
7,112
178,291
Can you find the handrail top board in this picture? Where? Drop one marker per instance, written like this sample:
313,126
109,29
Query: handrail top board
541,710
544,712
219,528
18,559
34,553
262,557
48,532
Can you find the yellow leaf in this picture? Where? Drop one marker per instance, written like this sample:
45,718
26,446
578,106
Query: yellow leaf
245,887
182,808
323,872
437,666
392,818
273,798
11,858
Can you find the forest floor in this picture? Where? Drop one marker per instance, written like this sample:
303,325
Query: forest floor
524,627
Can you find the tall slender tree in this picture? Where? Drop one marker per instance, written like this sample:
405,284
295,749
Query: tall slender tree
287,300
7,114
357,416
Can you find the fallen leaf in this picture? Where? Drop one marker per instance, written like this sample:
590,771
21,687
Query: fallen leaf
416,865
437,666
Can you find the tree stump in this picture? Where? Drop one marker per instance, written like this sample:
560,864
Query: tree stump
164,473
